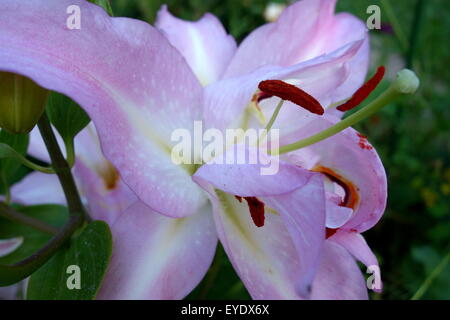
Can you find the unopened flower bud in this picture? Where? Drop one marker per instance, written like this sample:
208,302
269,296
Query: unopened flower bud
22,103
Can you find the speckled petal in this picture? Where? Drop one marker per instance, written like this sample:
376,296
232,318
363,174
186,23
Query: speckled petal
135,86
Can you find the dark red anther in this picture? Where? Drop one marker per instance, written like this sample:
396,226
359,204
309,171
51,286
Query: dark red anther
362,93
256,209
330,232
291,93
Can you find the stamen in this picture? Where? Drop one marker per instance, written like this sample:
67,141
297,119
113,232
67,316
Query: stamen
289,92
406,83
271,121
362,93
256,208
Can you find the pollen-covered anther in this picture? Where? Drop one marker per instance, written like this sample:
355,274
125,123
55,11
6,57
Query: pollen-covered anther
362,93
256,208
291,93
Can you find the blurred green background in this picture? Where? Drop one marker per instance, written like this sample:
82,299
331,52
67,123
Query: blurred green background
412,137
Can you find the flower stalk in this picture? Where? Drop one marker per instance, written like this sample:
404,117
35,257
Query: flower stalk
19,271
14,215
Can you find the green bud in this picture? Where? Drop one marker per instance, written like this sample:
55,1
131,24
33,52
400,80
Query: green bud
22,103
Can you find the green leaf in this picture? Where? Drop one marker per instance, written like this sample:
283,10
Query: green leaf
19,144
54,215
90,251
67,117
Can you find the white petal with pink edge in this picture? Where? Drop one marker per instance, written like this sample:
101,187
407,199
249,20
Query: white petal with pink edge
207,47
156,257
349,159
134,85
226,101
338,276
267,258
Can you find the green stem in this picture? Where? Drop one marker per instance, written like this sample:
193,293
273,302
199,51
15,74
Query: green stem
34,166
70,152
7,151
23,269
13,215
62,168
429,280
362,114
19,271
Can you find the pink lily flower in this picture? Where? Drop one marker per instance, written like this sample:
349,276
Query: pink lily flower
147,246
138,84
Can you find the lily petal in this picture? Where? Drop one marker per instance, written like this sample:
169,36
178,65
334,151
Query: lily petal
349,158
359,249
107,197
134,85
100,184
155,257
313,26
338,276
205,44
337,215
9,245
38,188
10,292
279,260
356,245
348,28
